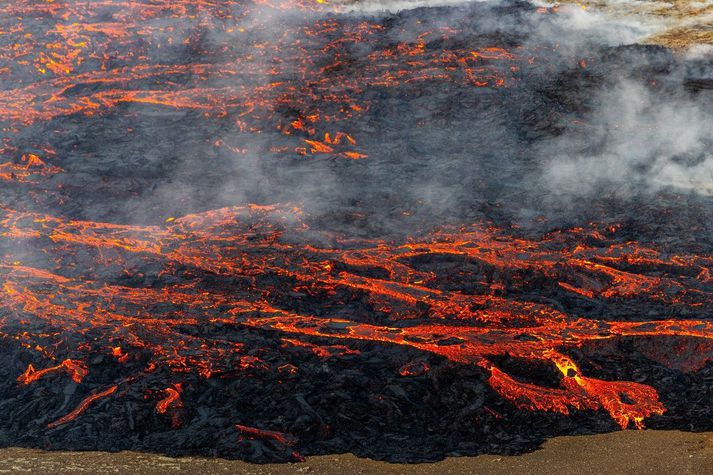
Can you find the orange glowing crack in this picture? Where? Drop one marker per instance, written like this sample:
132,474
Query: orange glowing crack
172,399
82,407
464,328
76,370
253,433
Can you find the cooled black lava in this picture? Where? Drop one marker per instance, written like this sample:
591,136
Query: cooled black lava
267,229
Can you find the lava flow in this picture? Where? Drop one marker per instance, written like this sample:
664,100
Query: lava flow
222,237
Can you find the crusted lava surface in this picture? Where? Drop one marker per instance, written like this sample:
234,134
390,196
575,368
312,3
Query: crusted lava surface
270,229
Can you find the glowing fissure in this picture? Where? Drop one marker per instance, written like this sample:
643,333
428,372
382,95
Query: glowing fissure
84,300
212,242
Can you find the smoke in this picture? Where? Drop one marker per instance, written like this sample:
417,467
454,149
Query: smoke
226,160
699,51
393,6
452,162
639,141
643,131
556,119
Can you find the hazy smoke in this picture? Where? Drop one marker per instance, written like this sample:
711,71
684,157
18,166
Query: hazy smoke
631,139
637,137
637,140
439,150
393,6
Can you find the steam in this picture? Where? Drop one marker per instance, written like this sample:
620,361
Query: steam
577,25
438,150
637,140
633,140
393,6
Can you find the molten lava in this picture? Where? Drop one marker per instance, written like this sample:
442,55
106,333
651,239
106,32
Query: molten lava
464,328
179,306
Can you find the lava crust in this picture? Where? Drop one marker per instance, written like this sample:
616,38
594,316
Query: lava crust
269,229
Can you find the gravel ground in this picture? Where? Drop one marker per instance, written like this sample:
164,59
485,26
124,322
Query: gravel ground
628,452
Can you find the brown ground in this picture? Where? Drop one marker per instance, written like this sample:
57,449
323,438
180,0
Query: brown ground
634,452
679,23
